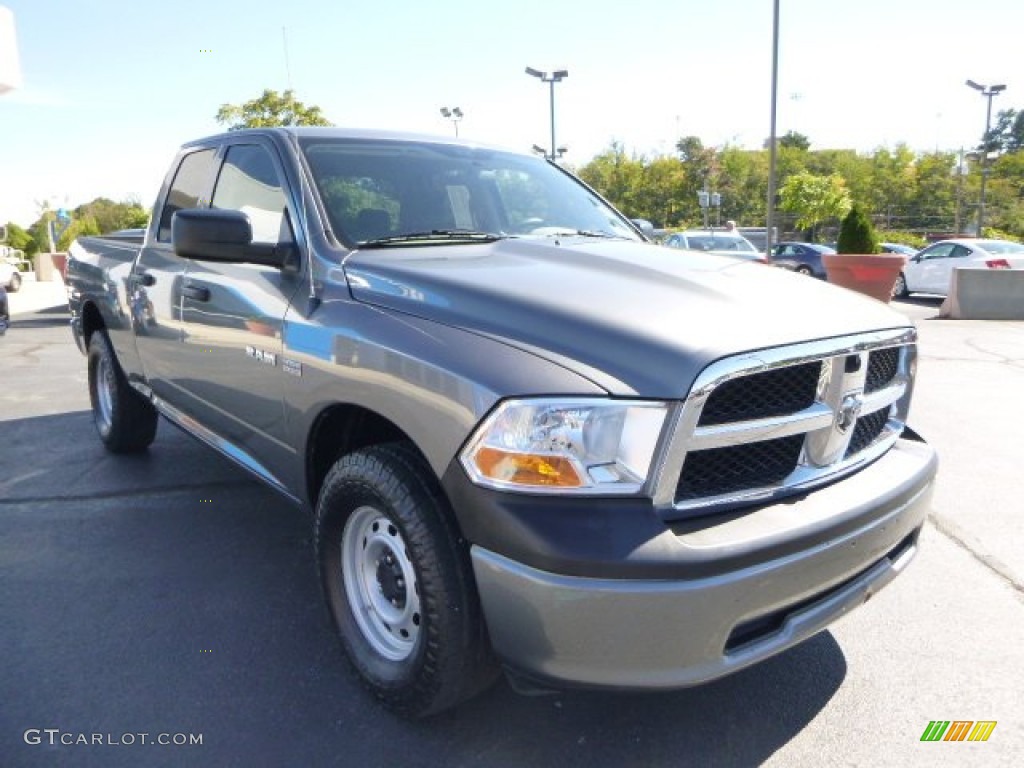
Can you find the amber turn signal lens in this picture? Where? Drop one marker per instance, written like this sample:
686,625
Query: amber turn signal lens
526,468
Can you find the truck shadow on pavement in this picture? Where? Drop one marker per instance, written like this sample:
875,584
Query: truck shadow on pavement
169,593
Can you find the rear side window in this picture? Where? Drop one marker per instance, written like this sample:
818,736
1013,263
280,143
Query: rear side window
248,182
189,183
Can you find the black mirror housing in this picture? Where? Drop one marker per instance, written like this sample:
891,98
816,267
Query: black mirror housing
213,234
644,226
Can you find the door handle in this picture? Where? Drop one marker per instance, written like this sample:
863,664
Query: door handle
196,292
146,279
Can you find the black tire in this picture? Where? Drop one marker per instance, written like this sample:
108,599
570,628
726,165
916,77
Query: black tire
803,269
899,288
381,521
15,284
125,420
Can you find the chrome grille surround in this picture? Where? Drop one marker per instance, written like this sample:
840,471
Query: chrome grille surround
828,425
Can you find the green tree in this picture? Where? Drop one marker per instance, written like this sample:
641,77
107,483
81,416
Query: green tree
743,184
19,239
932,206
814,199
110,216
701,170
893,181
794,140
618,177
270,109
79,227
662,183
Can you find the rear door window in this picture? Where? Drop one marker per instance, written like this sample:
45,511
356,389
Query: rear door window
190,182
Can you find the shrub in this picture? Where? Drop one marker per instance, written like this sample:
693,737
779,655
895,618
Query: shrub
857,233
902,237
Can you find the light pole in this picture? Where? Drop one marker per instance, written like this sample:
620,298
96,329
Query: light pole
988,91
552,78
770,218
454,114
960,169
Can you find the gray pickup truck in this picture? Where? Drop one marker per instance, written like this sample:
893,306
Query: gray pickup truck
529,439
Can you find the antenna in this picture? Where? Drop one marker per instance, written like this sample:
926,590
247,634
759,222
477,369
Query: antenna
287,65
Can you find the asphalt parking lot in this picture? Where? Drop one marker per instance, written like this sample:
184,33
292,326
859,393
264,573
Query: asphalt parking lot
171,595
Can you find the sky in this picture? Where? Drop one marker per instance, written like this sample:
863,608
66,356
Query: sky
111,88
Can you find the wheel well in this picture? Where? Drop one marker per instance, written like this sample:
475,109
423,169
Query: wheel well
92,321
342,429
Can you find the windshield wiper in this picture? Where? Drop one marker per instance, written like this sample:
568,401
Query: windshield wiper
446,235
594,233
568,232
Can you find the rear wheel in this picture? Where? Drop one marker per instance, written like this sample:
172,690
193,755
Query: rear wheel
399,584
125,420
899,288
15,283
803,269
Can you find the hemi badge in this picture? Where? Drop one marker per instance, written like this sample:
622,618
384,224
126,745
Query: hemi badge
294,367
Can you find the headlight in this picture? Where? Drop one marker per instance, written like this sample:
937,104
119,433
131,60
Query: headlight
555,446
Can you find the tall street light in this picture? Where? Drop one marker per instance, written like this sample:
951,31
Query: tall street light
988,91
454,114
552,78
770,210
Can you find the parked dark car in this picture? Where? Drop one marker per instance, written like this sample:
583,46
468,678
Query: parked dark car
5,314
804,258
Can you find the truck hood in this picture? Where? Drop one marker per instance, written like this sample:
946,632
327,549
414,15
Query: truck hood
637,319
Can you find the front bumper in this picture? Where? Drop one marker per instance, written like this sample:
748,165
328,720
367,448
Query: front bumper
683,630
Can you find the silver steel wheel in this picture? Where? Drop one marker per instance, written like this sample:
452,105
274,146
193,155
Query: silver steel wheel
380,583
900,288
105,383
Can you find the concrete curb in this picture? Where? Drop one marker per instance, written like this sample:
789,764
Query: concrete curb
985,294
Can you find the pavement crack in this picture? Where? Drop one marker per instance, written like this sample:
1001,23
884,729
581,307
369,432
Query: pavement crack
952,531
149,491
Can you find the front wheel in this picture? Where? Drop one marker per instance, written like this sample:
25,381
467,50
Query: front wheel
15,284
803,269
899,288
398,582
125,420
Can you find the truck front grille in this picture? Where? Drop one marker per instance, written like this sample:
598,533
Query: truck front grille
867,431
774,393
737,467
882,367
765,424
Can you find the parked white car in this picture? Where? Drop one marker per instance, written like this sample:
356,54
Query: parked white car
931,270
10,277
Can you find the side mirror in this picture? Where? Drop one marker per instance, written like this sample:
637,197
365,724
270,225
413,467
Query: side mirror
211,234
644,226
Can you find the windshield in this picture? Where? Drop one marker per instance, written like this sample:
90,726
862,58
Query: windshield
718,243
386,192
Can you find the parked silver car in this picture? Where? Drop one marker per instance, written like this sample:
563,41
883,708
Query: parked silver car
721,243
